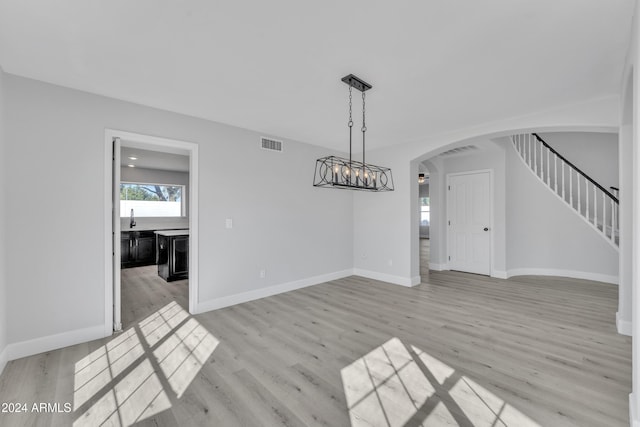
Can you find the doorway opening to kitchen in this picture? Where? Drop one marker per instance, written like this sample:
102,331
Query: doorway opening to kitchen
153,227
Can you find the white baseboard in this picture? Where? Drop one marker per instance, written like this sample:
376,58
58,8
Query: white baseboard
623,326
634,421
216,303
396,280
563,273
437,267
499,274
52,342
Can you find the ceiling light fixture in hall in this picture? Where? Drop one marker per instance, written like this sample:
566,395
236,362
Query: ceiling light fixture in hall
420,178
349,174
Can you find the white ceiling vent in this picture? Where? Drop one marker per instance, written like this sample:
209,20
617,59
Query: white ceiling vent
270,144
459,150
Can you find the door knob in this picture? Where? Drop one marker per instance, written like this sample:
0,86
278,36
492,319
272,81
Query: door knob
486,229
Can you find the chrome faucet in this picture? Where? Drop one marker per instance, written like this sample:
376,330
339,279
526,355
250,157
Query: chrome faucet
132,223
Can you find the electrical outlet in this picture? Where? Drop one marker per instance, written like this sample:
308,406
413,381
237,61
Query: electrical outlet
263,273
229,223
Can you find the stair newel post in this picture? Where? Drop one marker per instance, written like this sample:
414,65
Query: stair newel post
616,208
613,237
616,222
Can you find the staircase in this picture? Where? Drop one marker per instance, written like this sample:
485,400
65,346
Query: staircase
592,202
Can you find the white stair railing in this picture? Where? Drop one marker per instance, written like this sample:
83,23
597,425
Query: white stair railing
597,206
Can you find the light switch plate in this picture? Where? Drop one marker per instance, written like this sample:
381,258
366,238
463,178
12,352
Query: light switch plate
229,223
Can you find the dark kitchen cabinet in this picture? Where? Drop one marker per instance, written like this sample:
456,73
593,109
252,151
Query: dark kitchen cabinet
137,248
173,257
125,249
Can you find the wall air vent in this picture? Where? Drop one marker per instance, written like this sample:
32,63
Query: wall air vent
459,150
270,144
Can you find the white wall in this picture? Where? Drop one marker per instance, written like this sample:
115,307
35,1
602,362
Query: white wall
159,177
630,88
381,238
3,276
545,236
383,223
625,213
596,154
56,265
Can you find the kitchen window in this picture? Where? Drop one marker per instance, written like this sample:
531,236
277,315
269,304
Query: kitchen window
151,200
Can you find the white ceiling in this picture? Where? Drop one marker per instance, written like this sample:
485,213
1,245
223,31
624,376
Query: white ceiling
149,159
275,66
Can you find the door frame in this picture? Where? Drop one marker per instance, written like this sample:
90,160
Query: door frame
112,228
491,215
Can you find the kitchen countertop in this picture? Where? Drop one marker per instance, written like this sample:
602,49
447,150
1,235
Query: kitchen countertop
183,232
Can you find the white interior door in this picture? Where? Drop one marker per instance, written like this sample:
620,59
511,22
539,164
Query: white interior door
469,222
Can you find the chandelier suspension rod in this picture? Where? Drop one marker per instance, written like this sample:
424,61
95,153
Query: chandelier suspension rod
364,129
350,136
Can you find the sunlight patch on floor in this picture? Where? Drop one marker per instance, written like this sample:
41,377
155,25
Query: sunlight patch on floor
385,385
138,395
182,355
155,327
485,408
138,373
100,367
395,384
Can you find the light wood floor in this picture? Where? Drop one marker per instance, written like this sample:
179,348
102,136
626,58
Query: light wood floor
144,292
459,349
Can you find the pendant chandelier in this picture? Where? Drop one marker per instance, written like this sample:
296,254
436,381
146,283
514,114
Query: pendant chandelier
349,174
